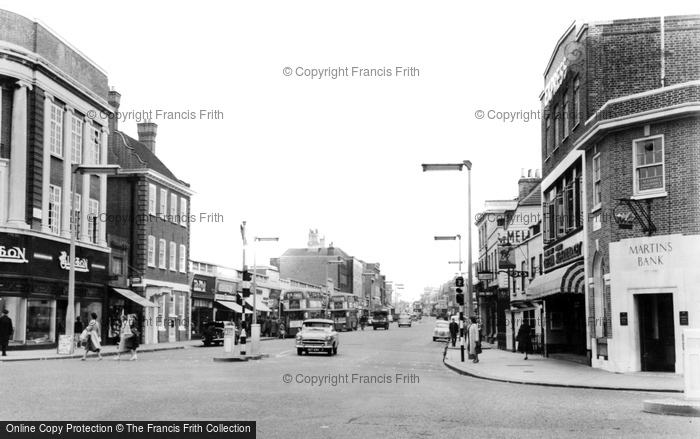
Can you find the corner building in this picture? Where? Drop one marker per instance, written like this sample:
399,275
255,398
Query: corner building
48,92
636,131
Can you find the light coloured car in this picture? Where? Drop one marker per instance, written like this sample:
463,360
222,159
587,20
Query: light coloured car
317,335
404,320
441,330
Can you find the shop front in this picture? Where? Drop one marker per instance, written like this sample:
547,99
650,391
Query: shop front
560,294
202,302
653,300
34,287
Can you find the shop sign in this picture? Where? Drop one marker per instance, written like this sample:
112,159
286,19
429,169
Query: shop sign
651,254
506,256
14,255
683,318
555,81
225,287
225,297
81,264
199,285
560,255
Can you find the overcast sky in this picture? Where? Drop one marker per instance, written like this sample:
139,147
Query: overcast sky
291,153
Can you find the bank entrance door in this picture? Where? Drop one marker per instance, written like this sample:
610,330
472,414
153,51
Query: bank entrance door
656,332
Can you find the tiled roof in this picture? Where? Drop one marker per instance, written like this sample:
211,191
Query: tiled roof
132,154
534,198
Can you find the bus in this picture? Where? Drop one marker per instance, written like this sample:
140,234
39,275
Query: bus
344,308
299,305
418,309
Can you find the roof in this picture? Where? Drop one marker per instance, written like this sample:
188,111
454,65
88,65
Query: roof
321,251
132,154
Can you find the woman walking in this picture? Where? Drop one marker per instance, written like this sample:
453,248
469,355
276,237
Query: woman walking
128,337
474,341
92,344
525,342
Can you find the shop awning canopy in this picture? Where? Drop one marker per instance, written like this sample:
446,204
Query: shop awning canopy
516,305
565,280
233,306
259,306
136,298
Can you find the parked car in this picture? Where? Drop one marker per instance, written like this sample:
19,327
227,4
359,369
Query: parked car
441,330
380,320
213,333
404,320
317,335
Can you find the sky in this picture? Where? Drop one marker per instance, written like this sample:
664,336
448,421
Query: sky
291,153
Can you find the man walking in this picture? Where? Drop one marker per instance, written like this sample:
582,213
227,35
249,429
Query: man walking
454,328
5,331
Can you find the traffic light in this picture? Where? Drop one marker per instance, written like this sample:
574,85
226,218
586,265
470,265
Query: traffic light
459,297
459,282
246,286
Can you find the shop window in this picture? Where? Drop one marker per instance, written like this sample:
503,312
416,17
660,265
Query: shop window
76,139
55,209
163,202
161,254
41,315
649,166
15,306
56,130
152,199
172,257
151,251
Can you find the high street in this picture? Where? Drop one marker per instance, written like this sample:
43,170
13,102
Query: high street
388,384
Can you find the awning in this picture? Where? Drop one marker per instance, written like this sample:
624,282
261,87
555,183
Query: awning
259,306
517,305
565,280
136,298
233,306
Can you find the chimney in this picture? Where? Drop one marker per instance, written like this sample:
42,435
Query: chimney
114,99
147,134
526,184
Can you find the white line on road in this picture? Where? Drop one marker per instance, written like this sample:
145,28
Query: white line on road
284,353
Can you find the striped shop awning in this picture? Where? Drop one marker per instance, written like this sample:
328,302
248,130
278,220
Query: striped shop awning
564,280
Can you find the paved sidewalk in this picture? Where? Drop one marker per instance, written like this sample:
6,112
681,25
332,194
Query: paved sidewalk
510,367
50,354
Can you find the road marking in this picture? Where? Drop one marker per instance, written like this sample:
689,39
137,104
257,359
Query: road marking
284,353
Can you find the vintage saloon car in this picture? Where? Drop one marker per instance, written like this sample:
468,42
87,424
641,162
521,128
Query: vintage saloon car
317,335
441,330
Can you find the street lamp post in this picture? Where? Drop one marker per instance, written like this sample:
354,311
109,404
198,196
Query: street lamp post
79,169
458,167
255,328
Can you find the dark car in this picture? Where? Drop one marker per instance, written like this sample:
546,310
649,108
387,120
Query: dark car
213,333
380,320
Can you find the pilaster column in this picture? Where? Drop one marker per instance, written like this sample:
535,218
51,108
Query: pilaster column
67,171
85,193
102,229
46,165
17,214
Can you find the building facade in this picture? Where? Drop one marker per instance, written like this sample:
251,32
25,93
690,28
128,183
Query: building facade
640,140
148,206
49,96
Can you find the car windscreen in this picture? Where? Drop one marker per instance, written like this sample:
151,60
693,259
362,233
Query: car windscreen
441,325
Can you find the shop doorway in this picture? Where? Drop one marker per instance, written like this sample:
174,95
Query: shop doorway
657,333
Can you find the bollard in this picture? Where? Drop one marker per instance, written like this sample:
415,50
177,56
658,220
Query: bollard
242,342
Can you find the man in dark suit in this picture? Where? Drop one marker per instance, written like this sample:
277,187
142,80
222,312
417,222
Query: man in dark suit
454,328
5,331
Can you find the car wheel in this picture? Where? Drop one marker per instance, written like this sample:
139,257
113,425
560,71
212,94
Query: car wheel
330,351
335,350
375,328
300,351
207,343
434,339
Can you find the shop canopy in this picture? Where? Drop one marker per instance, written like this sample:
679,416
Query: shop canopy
259,306
233,306
135,298
565,280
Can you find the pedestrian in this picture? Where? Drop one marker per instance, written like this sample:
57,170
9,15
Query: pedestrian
282,331
77,330
524,341
267,325
128,337
474,339
454,328
6,331
94,339
274,327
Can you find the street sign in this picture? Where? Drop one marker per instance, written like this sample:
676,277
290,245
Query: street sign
485,276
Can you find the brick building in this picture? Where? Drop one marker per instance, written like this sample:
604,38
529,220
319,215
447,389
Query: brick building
50,94
148,226
623,99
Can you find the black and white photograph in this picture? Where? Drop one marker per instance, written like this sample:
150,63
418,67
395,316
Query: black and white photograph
333,219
